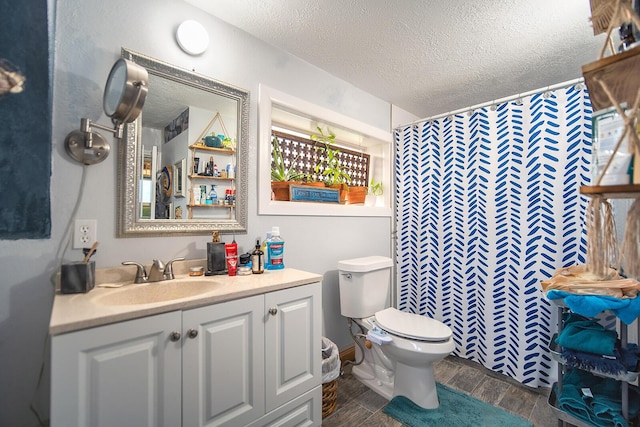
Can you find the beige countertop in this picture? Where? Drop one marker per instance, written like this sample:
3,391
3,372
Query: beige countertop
73,312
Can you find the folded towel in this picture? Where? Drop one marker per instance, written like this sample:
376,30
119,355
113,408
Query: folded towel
588,336
570,401
627,309
625,360
603,407
571,398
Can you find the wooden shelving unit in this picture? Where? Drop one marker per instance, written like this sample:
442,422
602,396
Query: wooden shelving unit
230,181
205,148
612,191
619,74
611,81
211,177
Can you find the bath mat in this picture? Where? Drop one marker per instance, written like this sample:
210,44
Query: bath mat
456,410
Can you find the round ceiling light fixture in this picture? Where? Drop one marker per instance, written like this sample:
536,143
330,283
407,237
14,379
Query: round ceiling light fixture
192,37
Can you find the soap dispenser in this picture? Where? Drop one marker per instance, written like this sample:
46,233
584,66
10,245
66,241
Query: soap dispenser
257,259
216,262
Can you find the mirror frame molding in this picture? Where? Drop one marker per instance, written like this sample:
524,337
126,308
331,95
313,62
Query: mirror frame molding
128,222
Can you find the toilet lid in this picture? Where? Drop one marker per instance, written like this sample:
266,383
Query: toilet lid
412,326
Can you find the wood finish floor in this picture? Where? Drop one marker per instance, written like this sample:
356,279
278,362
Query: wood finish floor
359,406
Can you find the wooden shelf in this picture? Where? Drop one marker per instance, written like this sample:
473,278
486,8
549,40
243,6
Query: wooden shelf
210,177
628,191
619,72
218,150
211,206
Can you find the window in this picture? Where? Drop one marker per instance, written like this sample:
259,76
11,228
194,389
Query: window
307,153
292,121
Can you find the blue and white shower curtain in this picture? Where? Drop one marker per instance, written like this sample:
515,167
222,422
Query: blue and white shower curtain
487,206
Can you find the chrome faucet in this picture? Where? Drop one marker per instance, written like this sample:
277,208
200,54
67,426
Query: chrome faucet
159,271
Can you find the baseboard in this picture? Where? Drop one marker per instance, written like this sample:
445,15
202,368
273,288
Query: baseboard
348,354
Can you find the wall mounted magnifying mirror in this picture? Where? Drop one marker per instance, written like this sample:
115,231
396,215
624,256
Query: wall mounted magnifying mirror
182,166
124,96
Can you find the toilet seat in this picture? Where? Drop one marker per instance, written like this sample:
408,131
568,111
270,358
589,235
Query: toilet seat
412,326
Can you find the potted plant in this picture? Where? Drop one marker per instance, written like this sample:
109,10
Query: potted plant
374,198
357,195
334,174
281,175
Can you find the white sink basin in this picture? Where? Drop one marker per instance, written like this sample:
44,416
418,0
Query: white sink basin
149,293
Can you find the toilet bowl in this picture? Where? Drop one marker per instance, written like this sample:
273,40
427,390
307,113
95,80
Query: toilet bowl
402,347
417,343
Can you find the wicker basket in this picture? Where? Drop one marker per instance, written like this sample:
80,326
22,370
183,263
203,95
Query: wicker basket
329,397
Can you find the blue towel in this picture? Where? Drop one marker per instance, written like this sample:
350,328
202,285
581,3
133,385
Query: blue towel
588,336
627,309
604,408
570,401
625,360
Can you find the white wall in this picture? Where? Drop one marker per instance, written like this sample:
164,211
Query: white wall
88,35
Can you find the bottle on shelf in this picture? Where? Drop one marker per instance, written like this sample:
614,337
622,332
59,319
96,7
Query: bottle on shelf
203,195
627,37
208,167
197,193
213,196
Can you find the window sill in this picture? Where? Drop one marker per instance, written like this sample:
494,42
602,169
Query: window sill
273,207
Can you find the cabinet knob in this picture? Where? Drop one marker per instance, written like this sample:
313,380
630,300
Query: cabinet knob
273,311
174,336
192,333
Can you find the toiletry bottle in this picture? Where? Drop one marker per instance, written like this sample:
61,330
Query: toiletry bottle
275,251
197,192
213,196
264,249
257,259
196,165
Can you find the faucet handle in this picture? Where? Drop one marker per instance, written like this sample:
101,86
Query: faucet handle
141,272
168,268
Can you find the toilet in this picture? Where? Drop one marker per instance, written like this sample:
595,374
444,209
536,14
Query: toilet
395,350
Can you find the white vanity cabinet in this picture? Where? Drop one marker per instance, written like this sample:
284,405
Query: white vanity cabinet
251,361
223,366
123,374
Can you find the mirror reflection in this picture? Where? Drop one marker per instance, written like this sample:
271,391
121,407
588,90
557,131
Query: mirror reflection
183,162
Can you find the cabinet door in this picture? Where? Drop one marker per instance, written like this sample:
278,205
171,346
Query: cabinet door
223,372
293,355
125,374
303,411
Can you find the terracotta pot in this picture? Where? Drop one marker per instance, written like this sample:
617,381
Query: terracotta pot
344,189
280,190
313,184
356,195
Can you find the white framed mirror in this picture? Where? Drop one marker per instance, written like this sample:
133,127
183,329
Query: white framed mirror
199,123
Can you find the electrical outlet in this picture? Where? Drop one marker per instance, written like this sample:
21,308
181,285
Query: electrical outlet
85,233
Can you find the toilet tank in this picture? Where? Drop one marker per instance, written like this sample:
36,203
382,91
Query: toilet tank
365,285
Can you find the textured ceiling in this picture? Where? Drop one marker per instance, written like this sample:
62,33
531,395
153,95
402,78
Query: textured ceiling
427,56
